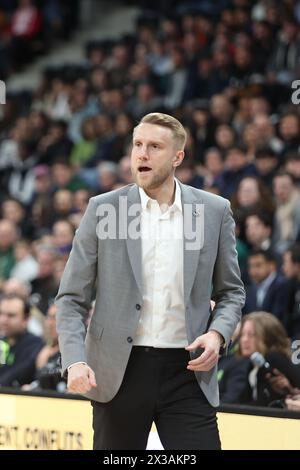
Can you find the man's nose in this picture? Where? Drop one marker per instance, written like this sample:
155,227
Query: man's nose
143,153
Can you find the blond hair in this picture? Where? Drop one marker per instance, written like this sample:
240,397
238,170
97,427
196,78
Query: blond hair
165,120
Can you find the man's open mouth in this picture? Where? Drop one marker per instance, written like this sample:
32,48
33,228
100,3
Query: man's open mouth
143,169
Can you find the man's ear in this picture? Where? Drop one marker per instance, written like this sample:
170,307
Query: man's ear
177,160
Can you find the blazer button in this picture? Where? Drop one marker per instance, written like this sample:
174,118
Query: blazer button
129,339
138,307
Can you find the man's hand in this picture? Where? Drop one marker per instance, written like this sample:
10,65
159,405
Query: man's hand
81,378
280,383
211,343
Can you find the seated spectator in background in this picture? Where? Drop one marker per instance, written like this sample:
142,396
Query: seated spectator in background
55,143
213,166
289,130
237,168
251,195
63,234
287,214
21,177
146,101
232,372
26,266
225,137
107,173
291,269
8,238
13,210
292,166
43,287
65,177
36,320
86,147
80,201
187,174
19,348
268,289
266,163
124,170
258,230
62,204
42,184
47,368
265,130
285,56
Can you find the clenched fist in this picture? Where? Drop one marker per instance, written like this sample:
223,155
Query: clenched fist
81,378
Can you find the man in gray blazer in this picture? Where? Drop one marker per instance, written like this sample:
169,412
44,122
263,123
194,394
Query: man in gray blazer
153,254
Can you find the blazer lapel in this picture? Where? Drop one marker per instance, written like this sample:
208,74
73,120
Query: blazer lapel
192,208
134,245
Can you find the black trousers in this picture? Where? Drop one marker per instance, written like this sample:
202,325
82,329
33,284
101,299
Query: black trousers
156,387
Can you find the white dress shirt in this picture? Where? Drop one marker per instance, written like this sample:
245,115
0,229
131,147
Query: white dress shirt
162,321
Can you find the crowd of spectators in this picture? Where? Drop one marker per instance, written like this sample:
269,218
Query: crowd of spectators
29,28
225,69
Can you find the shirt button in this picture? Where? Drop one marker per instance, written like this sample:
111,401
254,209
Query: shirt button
129,339
138,307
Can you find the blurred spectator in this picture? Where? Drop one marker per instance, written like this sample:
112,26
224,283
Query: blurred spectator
291,269
262,332
43,286
286,53
266,164
289,130
258,230
26,266
8,237
19,348
214,166
292,166
187,175
62,204
65,177
21,288
47,373
237,168
287,215
107,176
63,233
251,195
55,143
268,290
86,147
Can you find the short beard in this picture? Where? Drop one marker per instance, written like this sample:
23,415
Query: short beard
155,182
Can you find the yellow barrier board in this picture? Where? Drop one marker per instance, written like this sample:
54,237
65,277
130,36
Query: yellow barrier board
41,423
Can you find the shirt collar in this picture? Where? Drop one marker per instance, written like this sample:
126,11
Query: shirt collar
146,200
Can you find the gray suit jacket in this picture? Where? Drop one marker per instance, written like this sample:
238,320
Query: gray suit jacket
112,269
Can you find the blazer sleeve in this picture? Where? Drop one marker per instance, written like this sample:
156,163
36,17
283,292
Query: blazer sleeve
228,289
76,290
